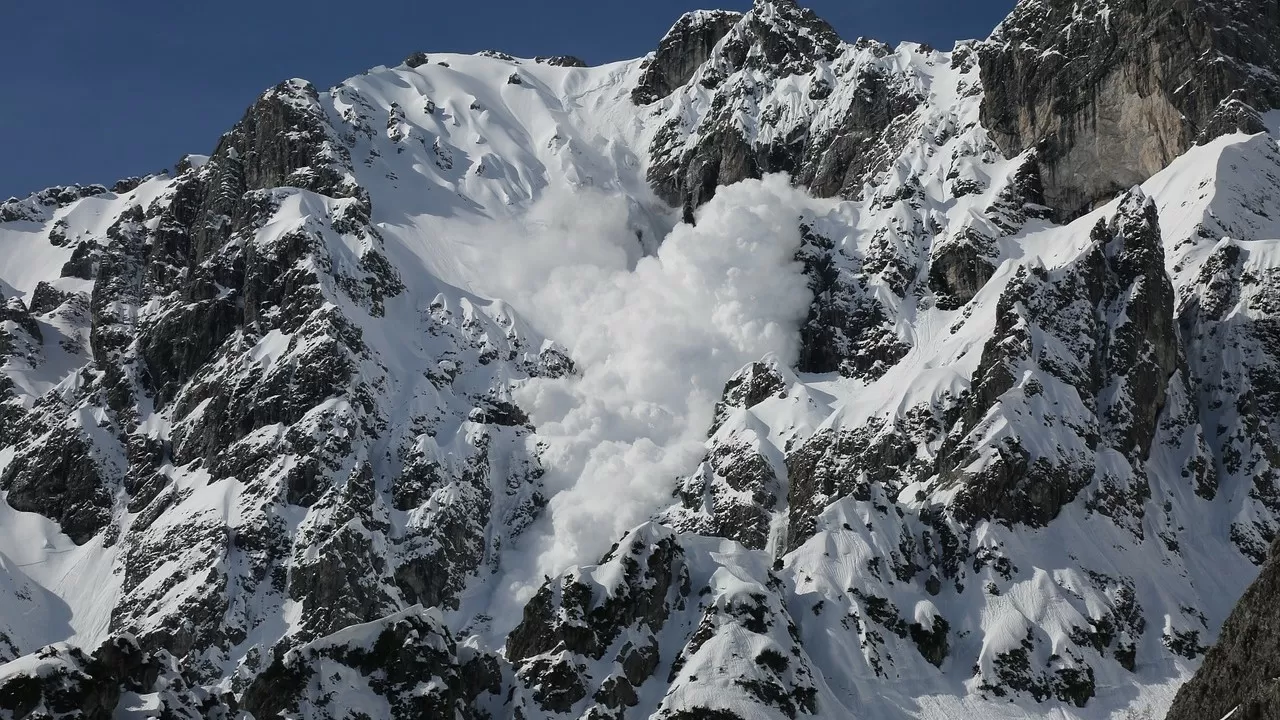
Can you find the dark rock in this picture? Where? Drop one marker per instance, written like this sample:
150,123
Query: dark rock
1110,96
1021,199
283,140
497,55
833,464
46,298
639,664
616,692
931,641
556,684
776,40
126,185
1013,671
731,495
38,207
847,330
393,655
553,363
686,46
499,412
58,477
561,61
653,565
872,128
450,542
81,263
61,681
1239,672
567,618
747,388
960,268
13,310
339,584
1111,313
179,342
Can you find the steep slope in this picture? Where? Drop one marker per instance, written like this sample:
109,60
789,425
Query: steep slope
249,402
1238,678
348,414
1110,91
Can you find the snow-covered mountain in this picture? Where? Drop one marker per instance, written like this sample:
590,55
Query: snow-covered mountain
767,376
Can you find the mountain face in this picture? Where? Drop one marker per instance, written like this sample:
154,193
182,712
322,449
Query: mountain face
767,376
1109,92
1238,678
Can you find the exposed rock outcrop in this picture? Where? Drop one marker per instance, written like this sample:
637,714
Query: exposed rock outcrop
998,458
62,681
617,608
831,146
1103,327
1111,91
407,660
686,46
1239,676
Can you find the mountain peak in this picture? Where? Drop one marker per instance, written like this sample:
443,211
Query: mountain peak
685,47
777,37
780,37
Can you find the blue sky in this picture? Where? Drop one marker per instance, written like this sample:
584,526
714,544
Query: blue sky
96,90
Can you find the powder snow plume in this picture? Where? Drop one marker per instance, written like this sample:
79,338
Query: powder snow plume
654,345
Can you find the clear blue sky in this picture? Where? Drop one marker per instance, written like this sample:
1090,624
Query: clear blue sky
95,90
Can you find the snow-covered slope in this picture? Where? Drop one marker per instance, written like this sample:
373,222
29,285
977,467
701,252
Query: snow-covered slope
751,379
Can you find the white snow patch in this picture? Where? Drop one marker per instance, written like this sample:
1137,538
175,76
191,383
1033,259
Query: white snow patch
654,345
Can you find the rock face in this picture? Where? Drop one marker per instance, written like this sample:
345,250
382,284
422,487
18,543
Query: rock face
1111,91
853,96
1113,313
269,416
684,49
1238,678
63,682
739,484
407,660
616,609
230,305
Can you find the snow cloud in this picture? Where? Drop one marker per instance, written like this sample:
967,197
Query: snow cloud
654,338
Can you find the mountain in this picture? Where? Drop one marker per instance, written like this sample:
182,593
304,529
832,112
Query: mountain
768,376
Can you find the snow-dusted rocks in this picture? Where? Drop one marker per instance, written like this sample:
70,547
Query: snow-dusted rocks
592,635
118,679
402,666
226,338
1238,678
777,92
681,52
1100,330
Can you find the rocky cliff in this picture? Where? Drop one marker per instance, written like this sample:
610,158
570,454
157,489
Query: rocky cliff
1238,678
1109,92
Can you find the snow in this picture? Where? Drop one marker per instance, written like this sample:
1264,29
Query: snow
655,345
71,589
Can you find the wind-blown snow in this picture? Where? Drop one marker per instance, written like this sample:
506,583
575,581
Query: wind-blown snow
653,344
